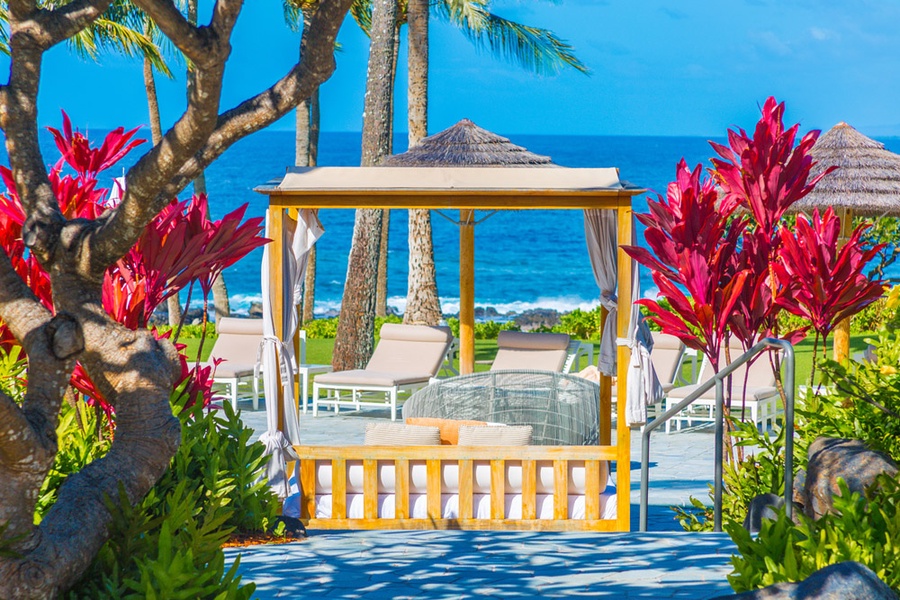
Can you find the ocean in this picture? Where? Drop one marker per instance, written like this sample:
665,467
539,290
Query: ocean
523,259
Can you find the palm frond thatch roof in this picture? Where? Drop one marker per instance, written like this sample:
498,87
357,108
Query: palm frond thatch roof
466,145
866,182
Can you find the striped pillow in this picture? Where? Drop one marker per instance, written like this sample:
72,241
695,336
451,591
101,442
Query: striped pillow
398,434
512,435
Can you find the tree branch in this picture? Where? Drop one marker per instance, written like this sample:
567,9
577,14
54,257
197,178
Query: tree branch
65,21
20,309
315,67
202,45
201,136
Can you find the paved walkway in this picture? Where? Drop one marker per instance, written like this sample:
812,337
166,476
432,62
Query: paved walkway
667,563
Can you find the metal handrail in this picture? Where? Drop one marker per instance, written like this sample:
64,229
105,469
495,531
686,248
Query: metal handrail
787,369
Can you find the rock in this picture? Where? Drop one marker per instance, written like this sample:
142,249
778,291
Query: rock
799,488
843,581
538,317
488,313
764,506
832,458
255,311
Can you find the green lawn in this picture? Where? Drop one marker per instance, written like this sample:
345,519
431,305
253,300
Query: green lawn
319,352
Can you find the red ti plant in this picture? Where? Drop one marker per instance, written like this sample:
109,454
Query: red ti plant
765,174
820,282
694,240
179,246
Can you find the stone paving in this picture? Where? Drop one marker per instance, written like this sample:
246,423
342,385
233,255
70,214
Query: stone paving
665,563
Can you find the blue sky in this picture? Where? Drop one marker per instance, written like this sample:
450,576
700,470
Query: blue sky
658,68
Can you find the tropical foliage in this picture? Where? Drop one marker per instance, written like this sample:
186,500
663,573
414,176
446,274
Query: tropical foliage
178,247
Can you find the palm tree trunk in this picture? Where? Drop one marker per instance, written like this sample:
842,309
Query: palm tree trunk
219,289
381,285
382,282
306,155
423,304
356,327
173,304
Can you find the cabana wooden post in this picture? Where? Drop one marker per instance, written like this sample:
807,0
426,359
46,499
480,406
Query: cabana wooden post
466,190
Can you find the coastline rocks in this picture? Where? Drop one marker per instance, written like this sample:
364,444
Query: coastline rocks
833,458
536,318
255,311
843,581
486,312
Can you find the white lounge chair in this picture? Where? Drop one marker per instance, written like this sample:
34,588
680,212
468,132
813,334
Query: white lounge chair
237,344
519,350
761,400
405,359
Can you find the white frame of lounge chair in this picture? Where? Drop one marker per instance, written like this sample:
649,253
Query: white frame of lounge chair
577,349
304,370
234,383
763,412
391,392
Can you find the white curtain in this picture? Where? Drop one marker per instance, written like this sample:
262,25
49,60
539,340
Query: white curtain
298,238
644,389
600,232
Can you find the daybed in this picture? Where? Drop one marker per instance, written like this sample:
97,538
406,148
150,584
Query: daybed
405,479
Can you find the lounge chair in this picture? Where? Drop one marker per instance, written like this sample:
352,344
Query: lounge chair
406,358
237,347
519,350
668,356
761,394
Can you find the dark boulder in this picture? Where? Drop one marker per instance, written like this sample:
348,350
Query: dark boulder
764,506
537,318
843,581
833,458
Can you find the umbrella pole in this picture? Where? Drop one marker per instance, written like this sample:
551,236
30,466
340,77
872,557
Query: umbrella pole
841,343
466,291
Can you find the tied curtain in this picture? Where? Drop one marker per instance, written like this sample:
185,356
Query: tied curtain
277,355
644,389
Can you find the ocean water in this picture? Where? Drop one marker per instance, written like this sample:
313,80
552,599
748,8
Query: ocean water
523,259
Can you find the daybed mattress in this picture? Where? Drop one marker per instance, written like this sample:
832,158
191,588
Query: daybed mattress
418,506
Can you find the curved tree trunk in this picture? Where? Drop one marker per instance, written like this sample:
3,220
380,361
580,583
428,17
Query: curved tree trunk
423,305
356,327
133,371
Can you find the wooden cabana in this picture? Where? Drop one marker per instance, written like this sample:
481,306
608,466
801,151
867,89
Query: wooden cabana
468,190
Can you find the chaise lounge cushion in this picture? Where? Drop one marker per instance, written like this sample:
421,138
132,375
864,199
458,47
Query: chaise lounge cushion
368,378
529,351
398,434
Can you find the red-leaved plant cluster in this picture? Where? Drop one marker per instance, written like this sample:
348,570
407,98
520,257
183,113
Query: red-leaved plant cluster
179,247
724,240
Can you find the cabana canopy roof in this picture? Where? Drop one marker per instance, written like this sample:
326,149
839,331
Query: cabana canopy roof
466,144
867,181
450,187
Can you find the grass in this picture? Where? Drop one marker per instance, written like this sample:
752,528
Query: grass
319,351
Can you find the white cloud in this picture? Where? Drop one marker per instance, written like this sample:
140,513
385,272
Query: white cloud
823,35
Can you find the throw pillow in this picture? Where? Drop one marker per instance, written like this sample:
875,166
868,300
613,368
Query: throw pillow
449,427
512,435
398,434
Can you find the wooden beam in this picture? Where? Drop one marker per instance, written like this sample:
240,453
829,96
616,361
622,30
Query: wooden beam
276,274
841,343
623,361
466,291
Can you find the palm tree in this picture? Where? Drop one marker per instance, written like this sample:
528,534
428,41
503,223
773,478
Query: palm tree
355,336
535,49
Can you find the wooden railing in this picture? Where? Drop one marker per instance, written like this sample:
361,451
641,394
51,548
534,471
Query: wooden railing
435,457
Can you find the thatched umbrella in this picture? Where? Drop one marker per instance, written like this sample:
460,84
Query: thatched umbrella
866,182
466,145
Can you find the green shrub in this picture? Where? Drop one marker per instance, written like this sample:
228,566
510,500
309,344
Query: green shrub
488,330
581,324
190,331
12,373
321,329
169,545
862,529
